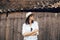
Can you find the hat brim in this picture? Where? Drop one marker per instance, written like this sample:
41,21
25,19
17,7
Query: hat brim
30,15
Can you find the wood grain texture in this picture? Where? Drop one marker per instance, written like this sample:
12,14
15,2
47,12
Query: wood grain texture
11,26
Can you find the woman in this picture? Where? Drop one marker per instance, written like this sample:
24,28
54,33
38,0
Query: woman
30,29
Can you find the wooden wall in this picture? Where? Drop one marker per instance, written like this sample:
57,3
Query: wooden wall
11,26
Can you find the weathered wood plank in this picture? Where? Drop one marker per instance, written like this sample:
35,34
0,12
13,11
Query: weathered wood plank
11,26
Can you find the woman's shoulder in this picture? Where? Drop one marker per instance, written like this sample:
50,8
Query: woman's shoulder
35,22
24,23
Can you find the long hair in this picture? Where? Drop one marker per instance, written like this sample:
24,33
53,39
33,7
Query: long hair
27,19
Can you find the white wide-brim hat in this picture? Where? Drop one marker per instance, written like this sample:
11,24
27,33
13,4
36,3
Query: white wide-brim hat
28,14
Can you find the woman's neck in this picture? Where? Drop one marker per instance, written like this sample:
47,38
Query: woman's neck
30,21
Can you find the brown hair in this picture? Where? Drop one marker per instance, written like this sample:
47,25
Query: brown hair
27,19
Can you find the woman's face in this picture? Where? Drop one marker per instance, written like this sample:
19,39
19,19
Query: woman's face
31,17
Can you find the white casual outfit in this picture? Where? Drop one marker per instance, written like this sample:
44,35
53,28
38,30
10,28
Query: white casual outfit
27,28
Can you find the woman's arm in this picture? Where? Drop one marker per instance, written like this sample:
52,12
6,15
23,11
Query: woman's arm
36,30
30,33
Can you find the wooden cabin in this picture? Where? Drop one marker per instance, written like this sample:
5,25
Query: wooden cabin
11,25
11,22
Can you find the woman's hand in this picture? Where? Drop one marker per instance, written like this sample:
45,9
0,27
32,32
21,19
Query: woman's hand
34,32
